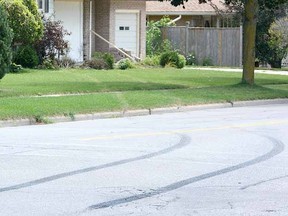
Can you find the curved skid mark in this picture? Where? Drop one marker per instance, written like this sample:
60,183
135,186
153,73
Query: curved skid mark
278,147
184,141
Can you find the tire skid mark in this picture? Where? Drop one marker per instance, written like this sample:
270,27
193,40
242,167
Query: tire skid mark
277,148
184,141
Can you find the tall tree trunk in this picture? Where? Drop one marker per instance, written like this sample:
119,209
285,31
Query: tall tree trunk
249,36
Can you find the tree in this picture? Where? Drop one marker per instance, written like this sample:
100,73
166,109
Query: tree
154,43
249,14
5,43
264,37
53,44
278,42
33,8
26,27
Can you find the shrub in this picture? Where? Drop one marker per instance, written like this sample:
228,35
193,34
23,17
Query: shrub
182,61
207,62
97,64
52,45
107,58
26,56
5,43
124,64
66,62
14,68
191,59
173,59
151,60
49,64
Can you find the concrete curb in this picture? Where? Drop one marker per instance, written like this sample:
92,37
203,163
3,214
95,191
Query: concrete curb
143,112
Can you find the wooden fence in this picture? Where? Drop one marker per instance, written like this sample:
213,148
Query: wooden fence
223,46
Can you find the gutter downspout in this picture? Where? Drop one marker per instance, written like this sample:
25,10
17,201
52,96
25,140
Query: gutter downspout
175,20
90,29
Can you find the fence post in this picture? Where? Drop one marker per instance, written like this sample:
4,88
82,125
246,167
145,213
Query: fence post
220,47
241,45
187,38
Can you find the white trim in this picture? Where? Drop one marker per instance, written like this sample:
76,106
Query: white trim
90,28
127,11
81,33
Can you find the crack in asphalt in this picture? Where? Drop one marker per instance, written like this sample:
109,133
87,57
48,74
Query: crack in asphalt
262,182
184,141
277,148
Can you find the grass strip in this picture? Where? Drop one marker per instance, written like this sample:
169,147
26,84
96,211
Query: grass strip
23,107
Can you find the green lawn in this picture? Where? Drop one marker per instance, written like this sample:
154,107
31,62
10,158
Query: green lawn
29,94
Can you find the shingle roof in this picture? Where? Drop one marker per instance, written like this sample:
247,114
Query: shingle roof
191,7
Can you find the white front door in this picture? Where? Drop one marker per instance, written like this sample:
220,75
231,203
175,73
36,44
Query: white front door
126,32
71,13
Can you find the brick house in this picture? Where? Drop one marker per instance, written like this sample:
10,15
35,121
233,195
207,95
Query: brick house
121,22
197,15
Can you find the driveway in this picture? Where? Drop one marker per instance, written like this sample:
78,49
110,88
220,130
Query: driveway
229,161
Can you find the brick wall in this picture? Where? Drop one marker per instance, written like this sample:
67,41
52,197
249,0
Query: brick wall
102,16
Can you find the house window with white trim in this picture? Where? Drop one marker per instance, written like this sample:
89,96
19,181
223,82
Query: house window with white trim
43,5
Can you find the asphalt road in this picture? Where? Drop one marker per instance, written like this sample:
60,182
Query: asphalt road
230,161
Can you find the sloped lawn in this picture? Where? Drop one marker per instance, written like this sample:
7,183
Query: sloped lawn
48,93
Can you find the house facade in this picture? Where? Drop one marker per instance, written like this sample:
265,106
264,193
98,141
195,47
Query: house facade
195,14
120,22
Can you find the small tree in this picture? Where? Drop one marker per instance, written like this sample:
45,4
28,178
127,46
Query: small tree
5,44
278,42
26,28
154,43
53,44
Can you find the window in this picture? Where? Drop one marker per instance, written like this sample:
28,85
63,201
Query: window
124,28
43,5
40,4
46,6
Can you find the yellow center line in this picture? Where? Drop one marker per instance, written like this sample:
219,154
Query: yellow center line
169,132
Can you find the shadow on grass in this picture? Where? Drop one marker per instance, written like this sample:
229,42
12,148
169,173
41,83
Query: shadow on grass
86,87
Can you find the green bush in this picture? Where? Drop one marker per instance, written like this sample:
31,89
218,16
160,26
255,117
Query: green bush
26,56
124,64
14,68
207,62
106,58
182,61
172,59
151,61
191,59
109,59
5,43
49,64
27,27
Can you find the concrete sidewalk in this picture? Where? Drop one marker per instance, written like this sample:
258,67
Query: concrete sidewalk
238,70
